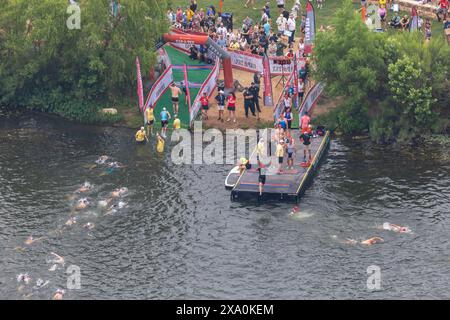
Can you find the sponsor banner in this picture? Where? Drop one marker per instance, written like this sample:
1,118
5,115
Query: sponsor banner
140,89
268,95
310,27
182,46
311,98
208,86
278,70
247,62
186,85
295,73
159,87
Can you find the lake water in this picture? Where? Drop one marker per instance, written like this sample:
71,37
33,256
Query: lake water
181,237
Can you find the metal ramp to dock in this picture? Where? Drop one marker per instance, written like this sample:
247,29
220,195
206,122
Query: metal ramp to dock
289,185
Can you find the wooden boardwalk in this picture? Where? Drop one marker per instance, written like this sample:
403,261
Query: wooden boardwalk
288,185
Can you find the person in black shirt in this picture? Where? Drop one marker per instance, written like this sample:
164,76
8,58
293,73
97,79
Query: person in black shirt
280,48
194,53
193,5
248,102
306,137
254,89
257,78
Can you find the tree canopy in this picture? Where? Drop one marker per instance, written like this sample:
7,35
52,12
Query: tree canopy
395,84
48,66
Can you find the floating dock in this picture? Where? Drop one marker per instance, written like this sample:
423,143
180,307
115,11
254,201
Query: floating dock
289,185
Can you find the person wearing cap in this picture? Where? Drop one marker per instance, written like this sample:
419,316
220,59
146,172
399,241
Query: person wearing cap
205,105
220,98
140,136
150,119
244,164
160,142
165,116
279,153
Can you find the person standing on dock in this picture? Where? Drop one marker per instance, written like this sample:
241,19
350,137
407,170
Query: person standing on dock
290,151
175,99
306,138
279,153
261,177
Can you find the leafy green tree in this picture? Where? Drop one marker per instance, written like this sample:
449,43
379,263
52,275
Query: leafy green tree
45,65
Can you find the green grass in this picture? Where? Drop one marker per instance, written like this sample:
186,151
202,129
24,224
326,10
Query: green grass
196,76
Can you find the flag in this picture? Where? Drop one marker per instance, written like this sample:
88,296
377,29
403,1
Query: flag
186,85
310,27
414,24
140,89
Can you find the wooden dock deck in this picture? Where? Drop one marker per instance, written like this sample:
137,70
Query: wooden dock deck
289,185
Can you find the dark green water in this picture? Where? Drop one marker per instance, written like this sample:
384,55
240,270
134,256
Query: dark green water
181,237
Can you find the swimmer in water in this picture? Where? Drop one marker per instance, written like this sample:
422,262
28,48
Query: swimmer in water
24,278
86,187
58,295
104,203
71,221
82,204
101,160
40,284
295,210
115,207
58,259
119,192
89,226
367,242
396,228
31,240
372,241
115,164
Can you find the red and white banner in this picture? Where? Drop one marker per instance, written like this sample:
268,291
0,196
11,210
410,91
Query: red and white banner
310,27
268,93
208,86
186,85
246,61
311,98
160,86
140,88
185,47
278,70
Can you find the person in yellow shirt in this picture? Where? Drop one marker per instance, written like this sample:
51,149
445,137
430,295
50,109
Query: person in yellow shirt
279,153
140,136
189,15
176,124
159,143
150,120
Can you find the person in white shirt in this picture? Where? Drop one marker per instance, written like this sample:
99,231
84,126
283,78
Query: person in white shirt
291,27
281,23
222,30
280,4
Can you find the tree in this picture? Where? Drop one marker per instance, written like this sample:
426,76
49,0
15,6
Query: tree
46,66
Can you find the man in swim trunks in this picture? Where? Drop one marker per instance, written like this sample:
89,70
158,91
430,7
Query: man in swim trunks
220,98
175,97
304,121
306,137
165,116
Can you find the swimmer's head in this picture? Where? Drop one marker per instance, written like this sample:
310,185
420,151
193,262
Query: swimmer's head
142,129
164,109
